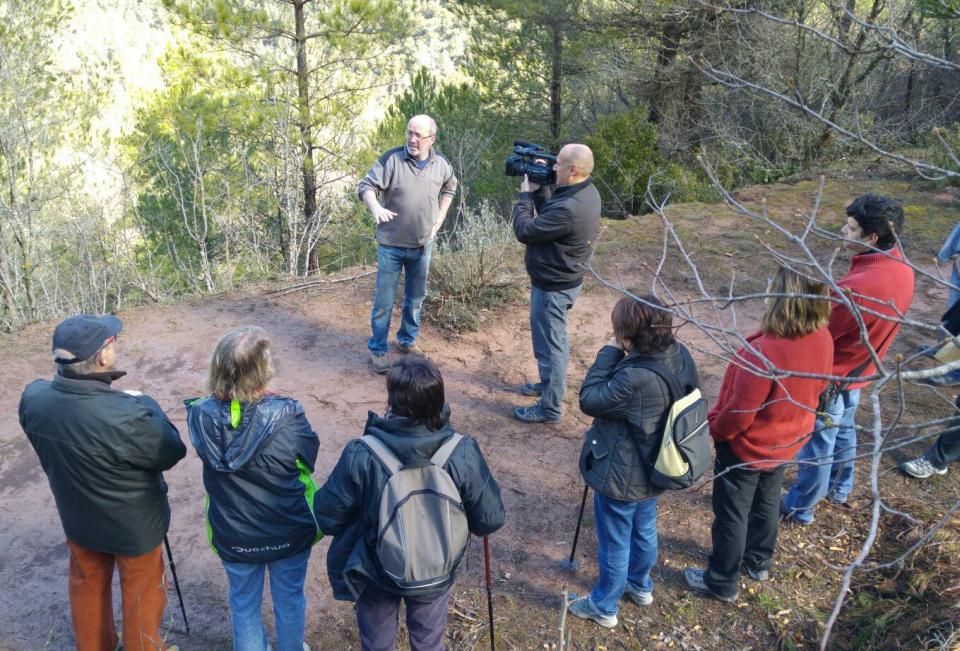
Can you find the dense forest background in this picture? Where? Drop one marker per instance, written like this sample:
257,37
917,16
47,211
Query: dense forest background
154,149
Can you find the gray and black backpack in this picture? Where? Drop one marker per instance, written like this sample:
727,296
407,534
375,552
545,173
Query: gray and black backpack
422,531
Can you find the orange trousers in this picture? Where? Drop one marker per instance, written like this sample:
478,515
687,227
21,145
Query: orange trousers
143,593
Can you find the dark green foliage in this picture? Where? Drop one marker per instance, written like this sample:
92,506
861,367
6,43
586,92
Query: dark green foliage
625,152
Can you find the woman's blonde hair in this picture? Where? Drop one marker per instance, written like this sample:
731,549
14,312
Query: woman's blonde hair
793,312
241,365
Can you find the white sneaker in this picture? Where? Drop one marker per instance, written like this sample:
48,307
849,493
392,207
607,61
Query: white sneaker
585,609
639,597
921,468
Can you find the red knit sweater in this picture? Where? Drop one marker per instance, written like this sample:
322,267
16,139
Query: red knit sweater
885,278
765,420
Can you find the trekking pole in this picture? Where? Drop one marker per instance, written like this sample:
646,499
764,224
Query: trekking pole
176,584
571,563
486,562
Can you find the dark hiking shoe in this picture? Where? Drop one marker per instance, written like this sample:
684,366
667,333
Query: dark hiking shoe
532,414
380,363
694,579
533,389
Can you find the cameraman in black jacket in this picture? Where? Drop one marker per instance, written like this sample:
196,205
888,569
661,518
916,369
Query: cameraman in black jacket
104,452
559,232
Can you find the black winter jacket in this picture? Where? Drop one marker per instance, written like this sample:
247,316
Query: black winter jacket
104,452
257,473
629,405
348,503
560,237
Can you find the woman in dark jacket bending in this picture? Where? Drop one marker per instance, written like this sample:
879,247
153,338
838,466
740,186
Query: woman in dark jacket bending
629,405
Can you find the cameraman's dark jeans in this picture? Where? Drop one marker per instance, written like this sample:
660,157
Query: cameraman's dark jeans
377,618
548,329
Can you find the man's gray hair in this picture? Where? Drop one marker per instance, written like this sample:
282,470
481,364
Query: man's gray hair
81,368
423,117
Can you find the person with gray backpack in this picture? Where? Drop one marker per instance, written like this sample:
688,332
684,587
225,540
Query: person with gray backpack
401,504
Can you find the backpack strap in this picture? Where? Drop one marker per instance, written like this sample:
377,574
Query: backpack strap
382,452
442,455
672,381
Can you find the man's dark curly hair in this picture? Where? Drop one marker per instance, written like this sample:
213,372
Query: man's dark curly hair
645,324
878,215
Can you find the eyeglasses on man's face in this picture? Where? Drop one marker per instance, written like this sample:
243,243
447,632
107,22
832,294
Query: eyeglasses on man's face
413,135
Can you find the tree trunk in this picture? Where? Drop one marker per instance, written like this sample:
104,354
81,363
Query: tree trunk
306,132
556,83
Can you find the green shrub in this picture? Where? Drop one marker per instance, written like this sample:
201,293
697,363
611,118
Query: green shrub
625,151
473,271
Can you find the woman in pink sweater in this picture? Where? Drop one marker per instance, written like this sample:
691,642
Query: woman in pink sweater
763,416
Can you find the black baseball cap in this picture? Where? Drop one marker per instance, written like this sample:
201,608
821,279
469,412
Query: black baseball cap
84,334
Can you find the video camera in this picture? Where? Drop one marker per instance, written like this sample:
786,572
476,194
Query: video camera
526,160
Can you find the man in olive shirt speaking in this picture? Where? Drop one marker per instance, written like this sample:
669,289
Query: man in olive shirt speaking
408,191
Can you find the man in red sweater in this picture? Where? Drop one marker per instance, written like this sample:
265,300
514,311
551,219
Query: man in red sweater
879,286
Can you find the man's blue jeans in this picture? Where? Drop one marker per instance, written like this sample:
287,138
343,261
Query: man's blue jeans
548,327
627,549
289,603
834,441
415,264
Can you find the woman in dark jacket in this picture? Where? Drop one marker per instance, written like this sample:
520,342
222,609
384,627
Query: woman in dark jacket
629,405
415,427
258,453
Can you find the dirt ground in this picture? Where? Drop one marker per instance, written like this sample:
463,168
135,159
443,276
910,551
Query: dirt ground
319,350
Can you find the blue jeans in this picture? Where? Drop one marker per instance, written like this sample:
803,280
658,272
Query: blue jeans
834,441
415,264
289,604
548,327
627,549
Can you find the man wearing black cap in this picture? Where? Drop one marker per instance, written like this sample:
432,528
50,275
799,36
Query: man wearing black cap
104,451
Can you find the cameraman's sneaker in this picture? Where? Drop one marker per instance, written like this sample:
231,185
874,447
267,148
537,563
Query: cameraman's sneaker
639,597
533,389
585,609
921,468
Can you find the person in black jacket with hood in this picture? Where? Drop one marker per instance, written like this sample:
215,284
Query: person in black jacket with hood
415,427
104,452
629,404
258,454
559,232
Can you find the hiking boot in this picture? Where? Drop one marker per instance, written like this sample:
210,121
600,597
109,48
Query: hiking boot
533,389
756,575
380,363
639,597
694,579
584,609
921,468
411,349
532,414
